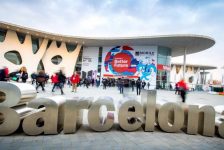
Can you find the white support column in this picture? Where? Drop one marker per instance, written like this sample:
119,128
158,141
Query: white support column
203,81
184,63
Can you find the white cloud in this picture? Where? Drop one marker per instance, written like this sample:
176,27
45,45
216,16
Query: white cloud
124,18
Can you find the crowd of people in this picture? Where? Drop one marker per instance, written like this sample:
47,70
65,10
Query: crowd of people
58,80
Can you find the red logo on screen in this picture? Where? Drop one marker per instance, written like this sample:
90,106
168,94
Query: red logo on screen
121,62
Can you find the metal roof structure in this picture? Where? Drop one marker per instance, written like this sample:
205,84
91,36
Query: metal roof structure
178,43
202,67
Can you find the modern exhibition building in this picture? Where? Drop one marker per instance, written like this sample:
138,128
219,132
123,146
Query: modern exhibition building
195,75
147,57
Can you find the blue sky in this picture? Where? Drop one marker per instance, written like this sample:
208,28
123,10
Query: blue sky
115,18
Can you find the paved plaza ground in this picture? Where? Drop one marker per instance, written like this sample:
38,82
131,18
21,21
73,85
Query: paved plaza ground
115,139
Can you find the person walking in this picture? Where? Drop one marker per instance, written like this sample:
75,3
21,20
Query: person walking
24,74
148,84
93,82
54,80
40,80
33,77
86,82
138,86
104,83
183,89
62,80
132,84
121,85
143,84
97,82
176,88
4,74
75,79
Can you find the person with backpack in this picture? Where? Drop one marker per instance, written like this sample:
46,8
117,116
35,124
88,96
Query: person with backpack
33,77
138,86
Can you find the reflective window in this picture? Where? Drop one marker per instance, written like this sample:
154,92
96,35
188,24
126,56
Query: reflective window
40,66
49,43
163,76
164,51
21,37
71,47
56,59
58,44
35,44
2,34
14,57
100,55
99,68
80,54
78,66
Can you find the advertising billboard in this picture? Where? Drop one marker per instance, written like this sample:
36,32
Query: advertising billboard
90,62
130,62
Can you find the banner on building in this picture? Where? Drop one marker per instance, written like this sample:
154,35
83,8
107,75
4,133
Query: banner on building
130,62
90,62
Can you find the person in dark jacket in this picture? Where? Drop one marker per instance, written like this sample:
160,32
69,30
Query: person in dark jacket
104,83
62,80
138,86
183,89
143,84
33,77
148,84
121,85
41,78
4,74
24,74
132,84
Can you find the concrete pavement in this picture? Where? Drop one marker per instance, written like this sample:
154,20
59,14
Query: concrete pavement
115,139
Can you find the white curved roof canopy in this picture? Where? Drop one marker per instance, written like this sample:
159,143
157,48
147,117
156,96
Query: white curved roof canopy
192,43
202,67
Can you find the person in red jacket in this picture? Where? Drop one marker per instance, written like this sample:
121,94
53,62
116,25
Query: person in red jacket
75,79
183,89
54,80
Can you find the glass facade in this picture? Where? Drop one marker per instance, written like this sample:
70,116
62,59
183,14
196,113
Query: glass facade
35,44
40,66
21,37
70,47
14,57
49,43
56,59
78,65
2,34
100,59
58,44
163,65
